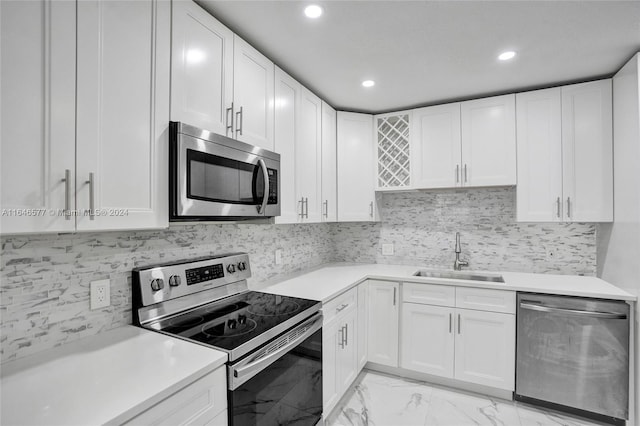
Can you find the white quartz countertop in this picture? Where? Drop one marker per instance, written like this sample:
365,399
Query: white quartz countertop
330,280
104,379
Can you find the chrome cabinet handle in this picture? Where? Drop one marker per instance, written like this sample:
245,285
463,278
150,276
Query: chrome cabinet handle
595,314
569,207
394,296
558,207
465,174
67,194
371,209
265,196
301,214
229,121
341,307
459,323
326,208
457,173
92,204
341,337
450,322
306,209
239,122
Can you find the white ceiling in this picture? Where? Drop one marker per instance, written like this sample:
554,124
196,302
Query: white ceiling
427,52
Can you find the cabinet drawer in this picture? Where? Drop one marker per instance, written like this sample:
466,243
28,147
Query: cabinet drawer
482,299
199,403
340,304
429,294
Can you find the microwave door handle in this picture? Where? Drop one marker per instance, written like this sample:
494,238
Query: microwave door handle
265,196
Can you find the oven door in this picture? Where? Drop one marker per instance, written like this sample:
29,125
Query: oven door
281,383
213,179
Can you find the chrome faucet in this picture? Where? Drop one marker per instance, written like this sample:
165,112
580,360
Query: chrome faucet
458,264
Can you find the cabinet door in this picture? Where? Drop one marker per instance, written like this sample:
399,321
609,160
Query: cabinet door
356,196
348,364
382,345
329,165
37,148
539,136
587,154
363,304
428,339
252,95
123,113
331,357
436,140
393,150
201,69
489,141
485,348
287,95
308,155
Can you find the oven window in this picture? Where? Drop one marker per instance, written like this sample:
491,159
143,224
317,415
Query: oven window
219,179
289,391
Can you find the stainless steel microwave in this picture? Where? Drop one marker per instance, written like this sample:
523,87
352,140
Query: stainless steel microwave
213,177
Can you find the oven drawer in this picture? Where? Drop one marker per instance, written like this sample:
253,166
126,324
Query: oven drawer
197,403
340,304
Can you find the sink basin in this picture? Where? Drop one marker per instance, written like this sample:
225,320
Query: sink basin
455,275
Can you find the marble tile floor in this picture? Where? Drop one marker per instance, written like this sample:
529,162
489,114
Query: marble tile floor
377,399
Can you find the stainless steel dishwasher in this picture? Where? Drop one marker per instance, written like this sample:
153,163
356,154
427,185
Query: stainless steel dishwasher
572,354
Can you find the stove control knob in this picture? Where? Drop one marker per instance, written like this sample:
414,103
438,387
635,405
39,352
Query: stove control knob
242,266
232,324
174,280
242,319
231,268
157,284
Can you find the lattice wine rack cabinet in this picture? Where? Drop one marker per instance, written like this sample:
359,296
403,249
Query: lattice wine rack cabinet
393,151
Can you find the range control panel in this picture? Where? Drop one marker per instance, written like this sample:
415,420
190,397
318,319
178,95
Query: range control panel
160,283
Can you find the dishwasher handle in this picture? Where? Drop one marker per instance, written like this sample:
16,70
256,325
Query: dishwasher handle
525,304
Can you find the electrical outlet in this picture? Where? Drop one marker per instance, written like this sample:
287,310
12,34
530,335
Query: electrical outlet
551,253
387,249
279,257
100,294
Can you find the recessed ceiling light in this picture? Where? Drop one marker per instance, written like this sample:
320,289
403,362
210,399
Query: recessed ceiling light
505,56
368,83
313,11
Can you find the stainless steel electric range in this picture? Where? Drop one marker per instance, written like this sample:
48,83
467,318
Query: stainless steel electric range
274,342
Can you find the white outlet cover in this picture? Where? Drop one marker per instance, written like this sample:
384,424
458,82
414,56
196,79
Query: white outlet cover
100,294
279,257
387,249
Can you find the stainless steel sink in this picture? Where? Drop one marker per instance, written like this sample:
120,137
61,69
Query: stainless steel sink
454,275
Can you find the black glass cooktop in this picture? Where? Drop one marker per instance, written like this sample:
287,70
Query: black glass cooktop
235,320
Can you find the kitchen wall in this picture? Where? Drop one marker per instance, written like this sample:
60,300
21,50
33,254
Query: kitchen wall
422,227
44,290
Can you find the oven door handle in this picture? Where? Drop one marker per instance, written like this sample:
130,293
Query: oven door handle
265,175
252,365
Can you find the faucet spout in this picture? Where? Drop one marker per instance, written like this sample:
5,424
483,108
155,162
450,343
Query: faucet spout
458,249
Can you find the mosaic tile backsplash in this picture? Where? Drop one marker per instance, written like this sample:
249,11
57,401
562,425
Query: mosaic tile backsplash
44,288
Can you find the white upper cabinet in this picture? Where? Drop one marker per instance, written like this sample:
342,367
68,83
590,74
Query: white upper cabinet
287,98
565,167
587,151
37,147
393,149
99,147
329,187
356,196
202,69
253,79
436,145
488,141
309,156
123,114
539,194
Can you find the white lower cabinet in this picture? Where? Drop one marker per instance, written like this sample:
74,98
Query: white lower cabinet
382,345
470,345
339,348
204,402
